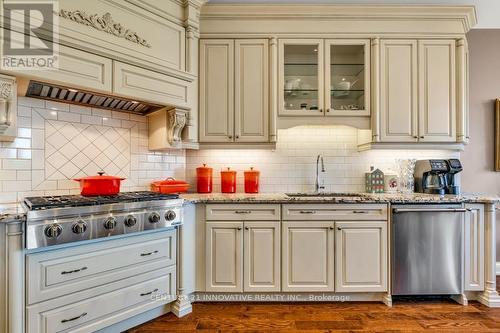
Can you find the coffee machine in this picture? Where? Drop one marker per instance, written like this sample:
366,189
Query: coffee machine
437,176
452,183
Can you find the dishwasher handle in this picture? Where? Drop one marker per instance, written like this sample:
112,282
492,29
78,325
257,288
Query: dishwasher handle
430,210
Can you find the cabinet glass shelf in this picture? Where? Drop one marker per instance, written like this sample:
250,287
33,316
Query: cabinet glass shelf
347,94
347,69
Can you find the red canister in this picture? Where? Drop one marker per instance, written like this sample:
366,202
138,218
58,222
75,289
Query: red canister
251,181
204,179
228,181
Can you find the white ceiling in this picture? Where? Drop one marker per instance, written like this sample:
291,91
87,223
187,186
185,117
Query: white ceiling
488,11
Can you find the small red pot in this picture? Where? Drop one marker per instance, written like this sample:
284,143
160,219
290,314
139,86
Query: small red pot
99,185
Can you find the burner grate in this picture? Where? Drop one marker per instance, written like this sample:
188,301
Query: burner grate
47,202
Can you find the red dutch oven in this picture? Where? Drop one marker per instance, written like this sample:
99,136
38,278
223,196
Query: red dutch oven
99,185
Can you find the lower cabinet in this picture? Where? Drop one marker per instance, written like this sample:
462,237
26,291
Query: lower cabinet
361,256
474,248
242,256
308,256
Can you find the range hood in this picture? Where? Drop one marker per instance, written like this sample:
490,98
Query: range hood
63,94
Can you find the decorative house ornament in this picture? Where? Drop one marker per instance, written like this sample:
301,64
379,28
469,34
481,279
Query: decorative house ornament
177,119
374,181
103,23
6,91
390,182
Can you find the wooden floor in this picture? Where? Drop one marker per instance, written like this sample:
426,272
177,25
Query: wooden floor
408,316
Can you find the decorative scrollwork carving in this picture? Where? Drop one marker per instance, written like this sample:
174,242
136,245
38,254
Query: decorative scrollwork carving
103,23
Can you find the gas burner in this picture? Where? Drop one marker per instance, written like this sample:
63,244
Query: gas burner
55,220
39,203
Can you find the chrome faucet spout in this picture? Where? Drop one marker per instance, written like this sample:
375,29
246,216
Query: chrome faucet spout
318,186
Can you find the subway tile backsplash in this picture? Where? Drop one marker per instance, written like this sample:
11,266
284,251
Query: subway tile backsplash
58,142
291,167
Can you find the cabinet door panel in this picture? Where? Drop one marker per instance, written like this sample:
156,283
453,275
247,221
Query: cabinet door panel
398,91
474,248
437,115
216,90
262,256
361,256
224,248
251,91
308,263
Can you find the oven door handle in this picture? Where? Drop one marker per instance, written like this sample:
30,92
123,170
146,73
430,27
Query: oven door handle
430,210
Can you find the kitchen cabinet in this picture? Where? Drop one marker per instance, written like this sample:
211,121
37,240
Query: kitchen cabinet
324,77
417,91
243,248
308,256
261,256
234,91
474,247
361,256
224,253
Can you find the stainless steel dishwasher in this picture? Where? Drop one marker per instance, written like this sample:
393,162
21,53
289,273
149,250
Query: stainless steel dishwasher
427,249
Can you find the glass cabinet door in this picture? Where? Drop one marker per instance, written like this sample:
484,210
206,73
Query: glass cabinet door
301,77
347,77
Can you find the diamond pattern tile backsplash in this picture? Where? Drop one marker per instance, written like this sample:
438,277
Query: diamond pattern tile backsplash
58,142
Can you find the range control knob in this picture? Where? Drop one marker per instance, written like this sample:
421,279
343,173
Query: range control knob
53,231
130,221
154,217
110,223
79,227
170,215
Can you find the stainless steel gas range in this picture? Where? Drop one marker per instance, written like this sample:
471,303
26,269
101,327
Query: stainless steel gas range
54,220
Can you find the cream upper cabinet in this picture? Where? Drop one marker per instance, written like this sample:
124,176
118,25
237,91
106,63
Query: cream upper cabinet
347,77
324,77
308,256
261,256
234,91
224,254
399,88
418,91
300,76
216,90
251,91
361,256
474,247
437,95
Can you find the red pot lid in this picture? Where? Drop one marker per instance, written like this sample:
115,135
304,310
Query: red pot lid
170,181
100,176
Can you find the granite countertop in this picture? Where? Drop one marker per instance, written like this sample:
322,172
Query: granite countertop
396,198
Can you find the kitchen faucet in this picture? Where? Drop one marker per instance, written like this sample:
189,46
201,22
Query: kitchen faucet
318,186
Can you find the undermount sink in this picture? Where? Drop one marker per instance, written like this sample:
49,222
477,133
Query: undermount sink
325,194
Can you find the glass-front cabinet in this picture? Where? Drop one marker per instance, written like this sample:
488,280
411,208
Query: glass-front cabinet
324,77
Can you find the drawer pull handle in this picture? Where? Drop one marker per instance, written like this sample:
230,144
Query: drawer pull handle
73,271
146,294
307,212
242,211
148,253
360,212
74,318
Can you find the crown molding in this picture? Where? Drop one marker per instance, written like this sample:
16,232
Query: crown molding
465,15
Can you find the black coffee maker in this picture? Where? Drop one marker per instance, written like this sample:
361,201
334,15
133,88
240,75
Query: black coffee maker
452,185
437,176
431,176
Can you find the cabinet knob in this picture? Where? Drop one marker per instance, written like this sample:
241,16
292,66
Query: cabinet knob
327,110
415,137
230,136
237,137
331,228
339,228
422,137
239,228
321,110
247,228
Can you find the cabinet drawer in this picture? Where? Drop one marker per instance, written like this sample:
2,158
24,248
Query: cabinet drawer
238,212
60,272
78,69
357,212
139,83
97,312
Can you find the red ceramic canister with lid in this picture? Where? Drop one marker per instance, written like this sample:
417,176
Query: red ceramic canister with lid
228,181
204,180
251,181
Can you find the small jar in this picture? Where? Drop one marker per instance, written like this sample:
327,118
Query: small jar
228,181
204,180
251,181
